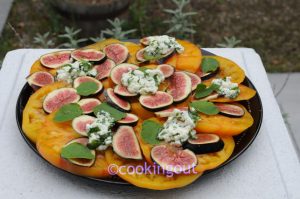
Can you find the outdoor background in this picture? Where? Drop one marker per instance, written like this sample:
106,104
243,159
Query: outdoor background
271,27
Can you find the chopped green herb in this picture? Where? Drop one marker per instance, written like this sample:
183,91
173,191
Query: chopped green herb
203,91
115,113
150,130
68,112
209,65
205,107
87,88
76,150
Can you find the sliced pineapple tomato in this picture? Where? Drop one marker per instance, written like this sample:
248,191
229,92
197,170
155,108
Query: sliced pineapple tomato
54,136
224,126
134,172
227,68
246,93
33,113
189,60
205,161
213,160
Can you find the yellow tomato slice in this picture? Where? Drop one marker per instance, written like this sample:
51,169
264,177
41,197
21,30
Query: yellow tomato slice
37,66
141,112
146,148
213,160
51,140
189,60
246,93
222,125
205,161
33,113
133,49
227,68
133,172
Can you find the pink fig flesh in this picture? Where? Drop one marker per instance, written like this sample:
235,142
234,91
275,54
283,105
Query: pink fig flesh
57,98
173,159
103,70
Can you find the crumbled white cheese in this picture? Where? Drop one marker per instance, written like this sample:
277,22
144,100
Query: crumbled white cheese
161,45
70,72
99,131
226,87
178,128
142,82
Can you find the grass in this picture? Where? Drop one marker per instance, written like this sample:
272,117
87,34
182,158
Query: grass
271,27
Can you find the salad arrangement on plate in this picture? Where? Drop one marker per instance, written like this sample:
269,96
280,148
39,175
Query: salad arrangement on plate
155,113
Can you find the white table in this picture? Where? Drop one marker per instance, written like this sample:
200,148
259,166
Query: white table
268,169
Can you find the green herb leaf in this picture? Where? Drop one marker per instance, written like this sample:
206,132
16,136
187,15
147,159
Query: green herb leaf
68,112
205,107
76,150
150,57
209,65
203,91
87,88
150,130
115,113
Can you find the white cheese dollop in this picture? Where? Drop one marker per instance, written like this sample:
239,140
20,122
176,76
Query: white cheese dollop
70,72
227,88
142,82
178,128
100,130
161,45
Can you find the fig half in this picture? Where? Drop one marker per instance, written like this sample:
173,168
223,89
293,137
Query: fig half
57,98
79,123
156,101
205,143
230,110
195,80
103,70
56,59
122,91
140,55
117,71
125,143
180,86
88,104
166,69
116,52
206,76
130,119
173,159
88,55
168,112
115,101
39,79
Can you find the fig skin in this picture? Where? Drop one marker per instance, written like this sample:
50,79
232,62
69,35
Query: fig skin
214,145
123,134
116,101
39,79
76,55
158,151
109,50
180,86
159,95
58,54
230,110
